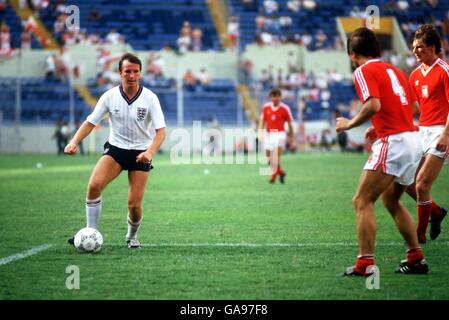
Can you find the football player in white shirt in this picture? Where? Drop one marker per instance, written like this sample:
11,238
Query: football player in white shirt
135,114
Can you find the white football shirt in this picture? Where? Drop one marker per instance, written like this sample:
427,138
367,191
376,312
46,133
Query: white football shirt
132,121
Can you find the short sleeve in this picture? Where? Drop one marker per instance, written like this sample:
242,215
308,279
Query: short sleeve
158,120
100,110
365,84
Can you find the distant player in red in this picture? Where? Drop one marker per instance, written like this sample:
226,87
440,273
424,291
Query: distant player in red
396,152
430,83
275,114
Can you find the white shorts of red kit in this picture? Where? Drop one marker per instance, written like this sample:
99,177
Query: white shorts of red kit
275,139
429,137
397,155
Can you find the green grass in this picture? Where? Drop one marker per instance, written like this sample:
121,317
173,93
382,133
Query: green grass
233,204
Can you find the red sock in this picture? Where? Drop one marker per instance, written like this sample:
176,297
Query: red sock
273,176
414,255
280,171
363,262
435,211
424,209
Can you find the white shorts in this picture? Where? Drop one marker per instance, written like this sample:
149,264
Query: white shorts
275,139
429,137
397,155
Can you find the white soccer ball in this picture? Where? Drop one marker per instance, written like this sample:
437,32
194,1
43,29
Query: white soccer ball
88,240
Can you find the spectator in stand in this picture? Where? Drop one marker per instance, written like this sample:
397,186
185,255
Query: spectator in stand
114,37
270,6
309,5
320,40
3,5
5,40
203,77
25,40
233,31
294,5
184,41
189,80
197,39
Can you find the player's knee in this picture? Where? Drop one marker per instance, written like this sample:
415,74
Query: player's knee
360,201
134,207
94,189
422,186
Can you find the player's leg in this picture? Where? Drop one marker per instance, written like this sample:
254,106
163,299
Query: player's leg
372,184
137,183
280,171
414,262
424,181
437,212
106,170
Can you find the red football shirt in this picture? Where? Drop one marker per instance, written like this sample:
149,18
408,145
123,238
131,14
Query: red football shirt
431,86
384,81
276,117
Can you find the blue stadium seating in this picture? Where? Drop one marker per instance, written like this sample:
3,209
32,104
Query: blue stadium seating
41,100
146,24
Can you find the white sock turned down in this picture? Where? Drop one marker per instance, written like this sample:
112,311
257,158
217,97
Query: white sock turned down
133,227
93,211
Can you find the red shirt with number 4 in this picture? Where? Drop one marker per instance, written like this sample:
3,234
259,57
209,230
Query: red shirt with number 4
387,83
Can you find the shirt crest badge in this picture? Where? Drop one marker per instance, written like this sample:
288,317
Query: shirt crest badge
141,112
425,91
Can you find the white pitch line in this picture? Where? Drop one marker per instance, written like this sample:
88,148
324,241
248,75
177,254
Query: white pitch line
24,254
265,245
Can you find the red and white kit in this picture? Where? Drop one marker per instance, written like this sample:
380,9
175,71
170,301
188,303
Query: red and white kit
431,86
275,118
398,149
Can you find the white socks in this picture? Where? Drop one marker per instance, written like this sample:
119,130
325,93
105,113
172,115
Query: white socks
93,210
133,227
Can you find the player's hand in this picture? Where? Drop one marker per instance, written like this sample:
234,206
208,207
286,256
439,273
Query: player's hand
292,146
370,134
443,142
342,124
144,157
71,148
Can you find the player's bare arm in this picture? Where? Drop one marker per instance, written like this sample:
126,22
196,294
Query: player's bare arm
443,140
261,127
80,134
291,134
370,108
146,156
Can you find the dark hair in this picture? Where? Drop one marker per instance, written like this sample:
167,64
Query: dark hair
275,92
131,58
363,42
429,35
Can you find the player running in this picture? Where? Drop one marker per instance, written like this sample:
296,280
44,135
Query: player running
430,83
275,114
137,130
387,101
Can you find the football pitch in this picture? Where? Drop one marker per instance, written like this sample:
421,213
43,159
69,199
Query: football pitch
227,234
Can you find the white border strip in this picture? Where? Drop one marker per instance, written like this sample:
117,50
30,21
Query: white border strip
24,254
269,245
